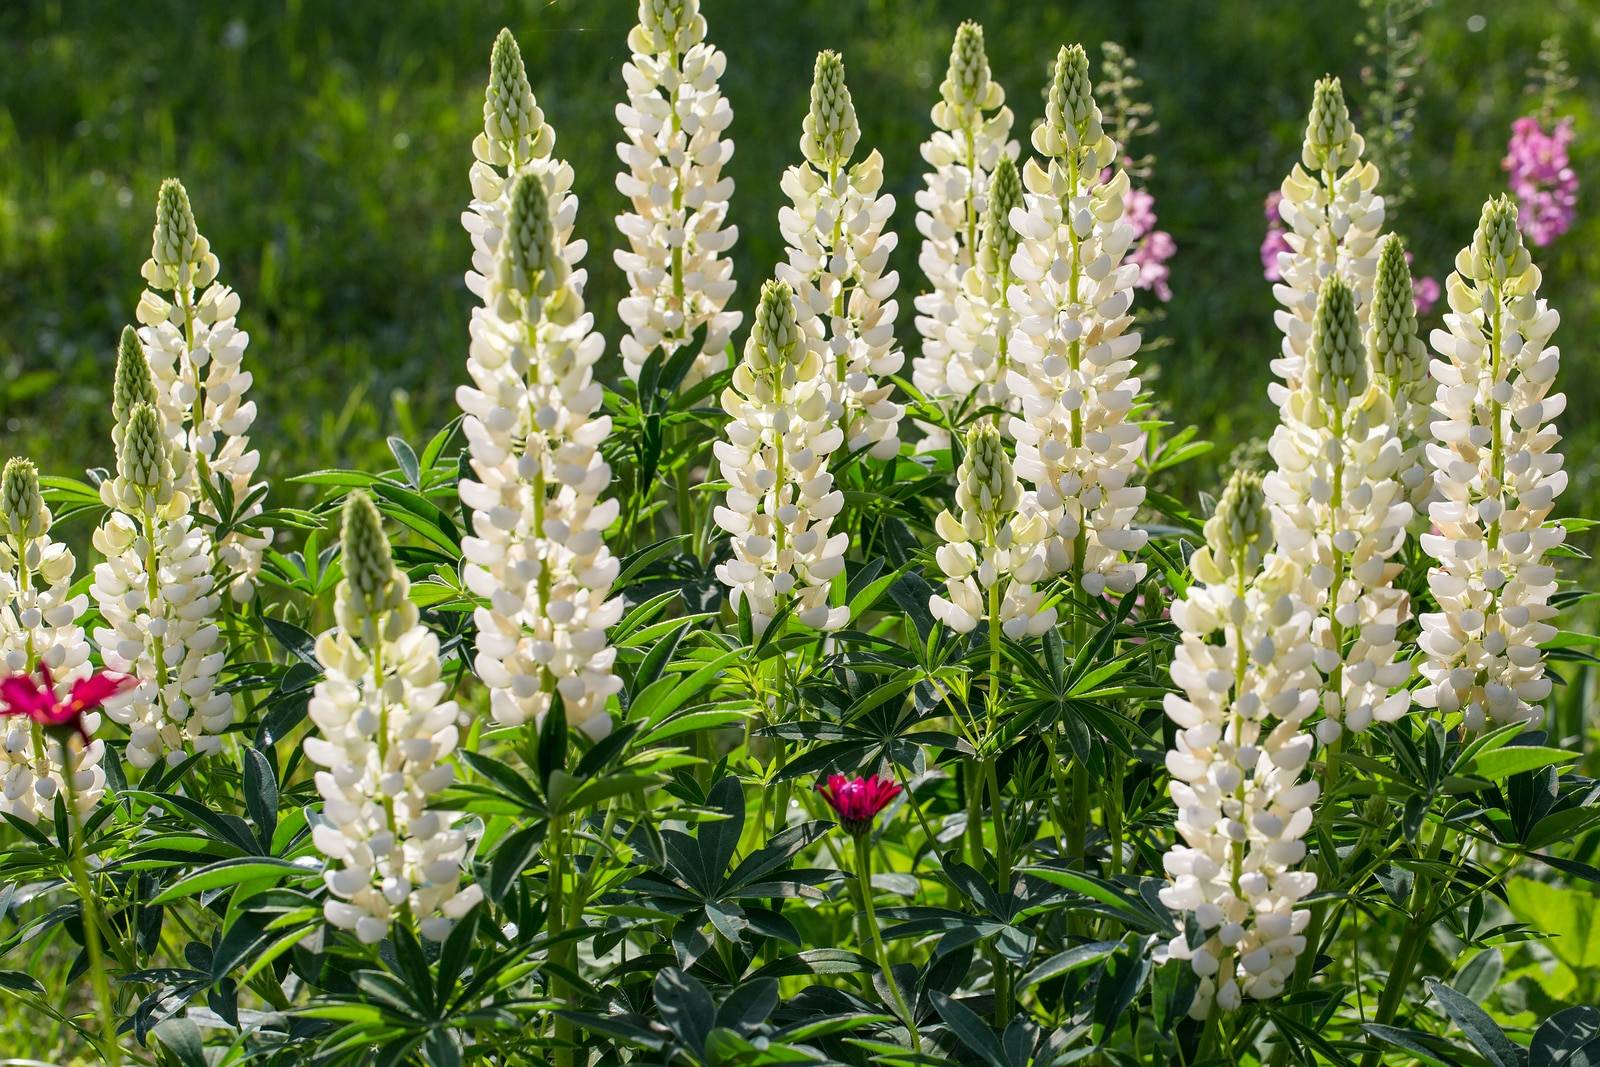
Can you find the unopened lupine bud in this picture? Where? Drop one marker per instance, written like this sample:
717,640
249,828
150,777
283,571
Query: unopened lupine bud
1397,352
966,83
1000,238
529,251
1497,249
830,128
1331,139
132,384
173,242
509,111
988,485
368,564
1071,110
1240,531
143,458
1336,367
774,337
21,505
662,20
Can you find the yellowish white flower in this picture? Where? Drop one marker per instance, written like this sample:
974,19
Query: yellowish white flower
838,255
1072,354
383,742
1244,668
534,428
1497,469
195,349
679,276
1333,215
1400,363
781,499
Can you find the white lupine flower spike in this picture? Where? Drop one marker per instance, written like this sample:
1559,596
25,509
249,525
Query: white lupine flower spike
383,745
972,136
534,427
156,591
1247,684
781,499
838,254
195,349
1341,509
1400,361
39,626
992,554
1333,215
1498,469
680,278
1072,355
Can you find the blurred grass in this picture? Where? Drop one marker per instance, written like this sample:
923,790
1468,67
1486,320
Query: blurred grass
325,148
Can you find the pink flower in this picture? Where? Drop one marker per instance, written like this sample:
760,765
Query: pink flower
858,800
1425,291
1153,247
1542,178
22,694
1275,242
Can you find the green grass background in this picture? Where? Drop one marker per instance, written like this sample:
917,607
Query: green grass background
325,147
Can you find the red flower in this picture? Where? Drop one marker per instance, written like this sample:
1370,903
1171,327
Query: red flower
22,694
858,800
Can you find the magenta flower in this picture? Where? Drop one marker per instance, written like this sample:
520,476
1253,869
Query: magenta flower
1425,292
1542,178
22,694
1152,247
858,800
1275,242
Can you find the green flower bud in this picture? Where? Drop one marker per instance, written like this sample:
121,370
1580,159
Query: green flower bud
528,260
1071,111
663,20
143,458
830,129
966,82
369,572
1397,352
132,383
1331,140
987,482
1336,364
1240,531
509,112
21,505
173,243
774,340
1497,249
999,238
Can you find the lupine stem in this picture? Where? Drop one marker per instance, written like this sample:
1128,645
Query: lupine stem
864,883
91,913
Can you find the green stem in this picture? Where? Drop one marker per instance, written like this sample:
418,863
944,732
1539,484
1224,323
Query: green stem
556,926
91,914
1412,941
864,882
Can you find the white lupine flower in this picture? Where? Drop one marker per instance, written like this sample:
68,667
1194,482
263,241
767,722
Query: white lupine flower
992,555
1333,214
781,499
1072,354
157,595
1497,472
1248,683
534,429
195,350
383,745
1400,362
972,134
1341,512
838,252
679,276
39,625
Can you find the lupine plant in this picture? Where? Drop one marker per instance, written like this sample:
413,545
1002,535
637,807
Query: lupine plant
699,698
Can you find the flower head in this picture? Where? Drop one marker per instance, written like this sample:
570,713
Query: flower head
22,510
830,131
858,800
1331,140
23,694
1542,178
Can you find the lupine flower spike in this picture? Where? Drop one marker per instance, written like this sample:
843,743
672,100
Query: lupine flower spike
675,119
971,139
838,255
534,427
1498,469
383,745
1072,360
858,801
1400,363
1247,680
195,350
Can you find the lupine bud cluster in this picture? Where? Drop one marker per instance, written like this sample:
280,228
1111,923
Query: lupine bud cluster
1248,683
781,499
1400,361
155,590
992,553
1072,355
39,625
1497,469
971,139
195,352
1333,214
679,278
534,428
383,744
838,255
1341,511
